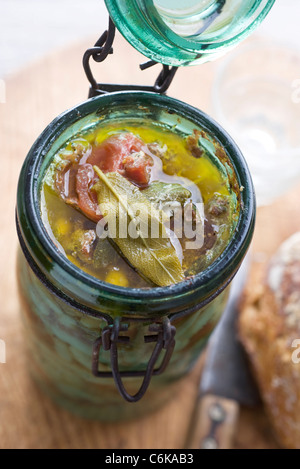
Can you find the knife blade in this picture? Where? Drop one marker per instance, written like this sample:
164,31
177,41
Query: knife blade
226,381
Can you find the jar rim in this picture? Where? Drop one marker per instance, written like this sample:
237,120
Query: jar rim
141,25
34,232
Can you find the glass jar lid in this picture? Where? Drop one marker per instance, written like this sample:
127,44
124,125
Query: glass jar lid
176,33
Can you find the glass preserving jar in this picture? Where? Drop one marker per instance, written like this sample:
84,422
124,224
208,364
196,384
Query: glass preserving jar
90,341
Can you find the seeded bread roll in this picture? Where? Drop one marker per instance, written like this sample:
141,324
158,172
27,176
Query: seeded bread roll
270,331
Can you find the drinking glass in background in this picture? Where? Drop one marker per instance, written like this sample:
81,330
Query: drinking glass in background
256,97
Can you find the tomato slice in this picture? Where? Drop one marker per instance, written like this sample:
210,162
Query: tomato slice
87,199
109,155
121,152
137,168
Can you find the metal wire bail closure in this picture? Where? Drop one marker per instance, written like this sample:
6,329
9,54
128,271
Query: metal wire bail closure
102,49
110,338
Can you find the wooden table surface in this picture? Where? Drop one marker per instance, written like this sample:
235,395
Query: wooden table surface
34,97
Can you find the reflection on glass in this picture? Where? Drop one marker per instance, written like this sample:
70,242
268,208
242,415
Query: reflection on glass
205,19
255,99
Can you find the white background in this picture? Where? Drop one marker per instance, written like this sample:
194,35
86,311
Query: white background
31,28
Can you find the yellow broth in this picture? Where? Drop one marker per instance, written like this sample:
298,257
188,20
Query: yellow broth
177,159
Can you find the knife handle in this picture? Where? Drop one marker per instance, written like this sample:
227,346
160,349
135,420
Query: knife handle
215,422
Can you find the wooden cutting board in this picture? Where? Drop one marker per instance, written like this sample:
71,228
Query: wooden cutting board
34,96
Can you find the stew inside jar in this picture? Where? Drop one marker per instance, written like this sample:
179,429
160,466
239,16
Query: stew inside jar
140,205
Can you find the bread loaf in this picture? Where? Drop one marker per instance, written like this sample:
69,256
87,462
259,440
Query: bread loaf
269,327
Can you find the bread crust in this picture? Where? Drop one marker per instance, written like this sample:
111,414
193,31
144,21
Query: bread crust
269,324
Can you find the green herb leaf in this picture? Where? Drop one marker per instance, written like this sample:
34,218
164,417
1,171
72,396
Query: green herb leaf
145,243
162,192
104,255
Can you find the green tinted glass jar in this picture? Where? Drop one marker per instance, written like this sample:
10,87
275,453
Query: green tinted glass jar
72,319
189,32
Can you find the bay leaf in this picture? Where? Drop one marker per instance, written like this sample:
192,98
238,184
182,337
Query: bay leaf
145,243
104,254
161,192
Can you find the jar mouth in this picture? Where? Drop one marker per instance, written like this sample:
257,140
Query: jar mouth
53,262
146,29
